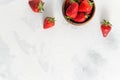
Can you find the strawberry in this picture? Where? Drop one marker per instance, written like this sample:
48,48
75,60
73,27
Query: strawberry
36,5
67,3
105,27
72,10
81,17
89,12
85,6
48,22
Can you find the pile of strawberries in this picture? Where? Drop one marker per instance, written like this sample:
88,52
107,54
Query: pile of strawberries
78,10
75,10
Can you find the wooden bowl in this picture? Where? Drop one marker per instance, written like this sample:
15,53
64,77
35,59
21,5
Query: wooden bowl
78,23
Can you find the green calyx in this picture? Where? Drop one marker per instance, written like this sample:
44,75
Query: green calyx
90,3
72,1
50,19
40,7
87,16
105,22
75,1
68,18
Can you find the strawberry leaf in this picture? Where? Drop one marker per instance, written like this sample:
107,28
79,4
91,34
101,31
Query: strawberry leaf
90,3
68,18
40,7
50,19
105,22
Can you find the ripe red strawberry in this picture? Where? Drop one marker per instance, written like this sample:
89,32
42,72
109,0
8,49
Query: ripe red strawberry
36,5
72,10
48,22
81,17
105,27
85,6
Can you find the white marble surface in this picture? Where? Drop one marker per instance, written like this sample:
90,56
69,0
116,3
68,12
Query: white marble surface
65,52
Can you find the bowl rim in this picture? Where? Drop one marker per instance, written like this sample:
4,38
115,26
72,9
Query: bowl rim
78,24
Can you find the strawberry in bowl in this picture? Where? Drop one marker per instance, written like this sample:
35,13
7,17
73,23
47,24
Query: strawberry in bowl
78,12
36,5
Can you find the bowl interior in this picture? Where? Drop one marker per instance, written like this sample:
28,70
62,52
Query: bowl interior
78,23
